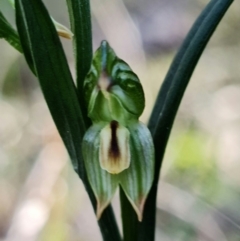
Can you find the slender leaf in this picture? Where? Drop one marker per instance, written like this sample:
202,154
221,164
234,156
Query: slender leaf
9,33
12,37
175,66
38,33
35,28
80,19
170,96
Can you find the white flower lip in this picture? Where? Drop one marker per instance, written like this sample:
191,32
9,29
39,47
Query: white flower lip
114,150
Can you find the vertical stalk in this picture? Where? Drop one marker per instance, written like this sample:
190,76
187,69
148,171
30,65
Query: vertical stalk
80,19
129,219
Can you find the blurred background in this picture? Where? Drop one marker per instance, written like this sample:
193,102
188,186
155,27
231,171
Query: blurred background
42,199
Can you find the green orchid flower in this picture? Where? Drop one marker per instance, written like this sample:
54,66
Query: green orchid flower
117,148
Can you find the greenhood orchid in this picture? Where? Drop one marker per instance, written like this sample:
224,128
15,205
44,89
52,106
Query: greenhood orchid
117,148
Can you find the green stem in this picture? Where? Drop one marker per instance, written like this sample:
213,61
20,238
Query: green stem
129,219
80,19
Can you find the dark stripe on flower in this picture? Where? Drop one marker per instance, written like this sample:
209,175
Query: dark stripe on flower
114,152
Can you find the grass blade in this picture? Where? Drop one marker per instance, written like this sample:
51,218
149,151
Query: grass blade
80,19
36,28
41,43
188,55
9,33
170,96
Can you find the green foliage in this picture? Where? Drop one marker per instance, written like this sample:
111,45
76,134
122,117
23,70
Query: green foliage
171,93
44,54
35,26
80,19
9,33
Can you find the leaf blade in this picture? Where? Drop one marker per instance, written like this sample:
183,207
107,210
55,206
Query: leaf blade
9,33
80,19
52,70
69,108
170,96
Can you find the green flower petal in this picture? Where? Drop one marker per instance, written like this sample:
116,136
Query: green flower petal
103,183
137,180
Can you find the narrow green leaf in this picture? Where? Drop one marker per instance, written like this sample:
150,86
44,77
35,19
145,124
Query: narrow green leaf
171,94
36,28
38,33
80,19
187,57
9,33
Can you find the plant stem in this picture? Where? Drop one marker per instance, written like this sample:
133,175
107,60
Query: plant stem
129,219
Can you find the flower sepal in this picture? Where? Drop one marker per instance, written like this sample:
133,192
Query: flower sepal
117,155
